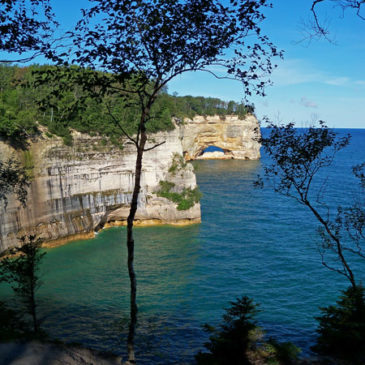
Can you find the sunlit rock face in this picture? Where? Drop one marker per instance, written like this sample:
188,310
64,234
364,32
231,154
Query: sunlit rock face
238,138
77,190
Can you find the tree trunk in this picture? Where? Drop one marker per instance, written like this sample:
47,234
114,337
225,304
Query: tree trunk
347,270
34,314
130,246
32,303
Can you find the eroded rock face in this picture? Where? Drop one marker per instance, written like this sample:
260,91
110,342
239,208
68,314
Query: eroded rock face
238,138
78,189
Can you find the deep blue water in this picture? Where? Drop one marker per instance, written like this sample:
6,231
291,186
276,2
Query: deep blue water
251,242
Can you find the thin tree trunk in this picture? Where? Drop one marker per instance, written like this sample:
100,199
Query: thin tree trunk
348,272
32,298
34,314
130,246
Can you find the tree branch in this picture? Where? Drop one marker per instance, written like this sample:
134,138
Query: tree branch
116,121
156,145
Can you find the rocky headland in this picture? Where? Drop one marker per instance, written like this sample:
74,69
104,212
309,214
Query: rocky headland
76,190
238,138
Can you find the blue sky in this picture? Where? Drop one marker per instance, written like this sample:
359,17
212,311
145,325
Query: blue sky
317,80
320,80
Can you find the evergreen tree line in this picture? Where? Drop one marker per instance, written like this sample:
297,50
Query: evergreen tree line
26,98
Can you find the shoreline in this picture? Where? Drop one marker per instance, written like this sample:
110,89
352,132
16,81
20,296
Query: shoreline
123,223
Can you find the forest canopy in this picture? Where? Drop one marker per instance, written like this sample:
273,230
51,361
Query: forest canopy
25,101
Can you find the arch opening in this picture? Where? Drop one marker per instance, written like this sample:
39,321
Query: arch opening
213,152
213,149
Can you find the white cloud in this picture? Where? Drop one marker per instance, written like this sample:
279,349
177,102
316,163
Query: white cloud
297,71
337,81
293,72
308,103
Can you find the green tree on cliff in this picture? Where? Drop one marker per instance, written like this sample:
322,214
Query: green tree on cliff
13,179
26,101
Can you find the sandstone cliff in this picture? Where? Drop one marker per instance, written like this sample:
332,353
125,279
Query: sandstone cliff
77,190
238,138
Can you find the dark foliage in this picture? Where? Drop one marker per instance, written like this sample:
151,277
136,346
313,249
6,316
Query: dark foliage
297,156
13,179
26,26
12,327
359,172
229,344
22,274
284,353
342,328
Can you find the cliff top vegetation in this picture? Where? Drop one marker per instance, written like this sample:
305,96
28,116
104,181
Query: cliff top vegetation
26,100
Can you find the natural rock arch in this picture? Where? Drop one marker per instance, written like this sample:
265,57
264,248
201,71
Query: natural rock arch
238,138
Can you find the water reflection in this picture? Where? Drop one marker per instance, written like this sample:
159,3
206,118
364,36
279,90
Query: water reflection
223,166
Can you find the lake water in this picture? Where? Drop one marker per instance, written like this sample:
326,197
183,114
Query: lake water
251,242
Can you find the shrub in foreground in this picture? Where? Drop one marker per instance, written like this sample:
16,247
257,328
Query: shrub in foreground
229,343
22,274
342,328
238,340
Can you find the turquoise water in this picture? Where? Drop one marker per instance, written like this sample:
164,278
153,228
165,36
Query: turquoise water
251,242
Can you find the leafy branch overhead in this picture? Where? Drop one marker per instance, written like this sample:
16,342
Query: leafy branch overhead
157,40
298,158
26,28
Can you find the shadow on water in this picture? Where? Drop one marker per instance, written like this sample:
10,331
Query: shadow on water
162,337
158,336
87,292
